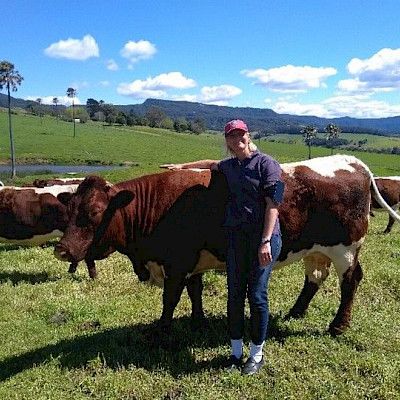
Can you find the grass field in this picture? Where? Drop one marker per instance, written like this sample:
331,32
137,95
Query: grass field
67,337
373,141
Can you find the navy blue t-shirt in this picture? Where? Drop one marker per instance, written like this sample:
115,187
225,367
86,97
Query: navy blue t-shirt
247,180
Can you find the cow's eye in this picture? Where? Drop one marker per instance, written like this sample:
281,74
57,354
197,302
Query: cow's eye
93,214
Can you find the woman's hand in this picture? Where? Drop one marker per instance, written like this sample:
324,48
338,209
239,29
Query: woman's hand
264,254
172,166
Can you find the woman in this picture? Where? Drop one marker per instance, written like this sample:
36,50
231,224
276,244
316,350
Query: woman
254,239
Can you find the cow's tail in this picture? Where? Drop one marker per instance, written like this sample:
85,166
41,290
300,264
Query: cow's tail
377,195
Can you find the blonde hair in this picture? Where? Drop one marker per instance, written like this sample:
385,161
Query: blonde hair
252,147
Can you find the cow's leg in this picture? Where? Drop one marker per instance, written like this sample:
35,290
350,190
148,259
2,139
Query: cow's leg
391,220
91,266
350,281
194,286
316,271
389,225
72,267
173,287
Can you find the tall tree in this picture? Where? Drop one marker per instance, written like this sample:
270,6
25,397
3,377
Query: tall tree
71,93
92,107
333,132
39,101
10,78
155,116
55,102
309,133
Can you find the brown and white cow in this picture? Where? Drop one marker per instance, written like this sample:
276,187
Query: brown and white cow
389,188
32,216
170,226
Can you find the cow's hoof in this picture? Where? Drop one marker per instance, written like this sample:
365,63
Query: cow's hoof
386,231
294,315
72,268
336,330
92,273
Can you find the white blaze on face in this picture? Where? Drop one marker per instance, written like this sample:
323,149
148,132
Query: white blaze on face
36,240
325,166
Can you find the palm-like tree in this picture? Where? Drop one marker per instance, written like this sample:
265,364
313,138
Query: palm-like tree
39,101
309,133
71,93
55,102
10,78
333,132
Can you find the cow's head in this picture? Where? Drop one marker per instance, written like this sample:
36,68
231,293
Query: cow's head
90,211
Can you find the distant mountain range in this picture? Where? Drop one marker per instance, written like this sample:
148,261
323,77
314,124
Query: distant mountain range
258,119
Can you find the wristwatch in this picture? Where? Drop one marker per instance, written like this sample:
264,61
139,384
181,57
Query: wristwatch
265,240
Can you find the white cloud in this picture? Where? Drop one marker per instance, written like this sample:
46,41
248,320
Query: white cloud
136,51
185,97
62,100
290,78
112,65
379,73
295,108
104,83
74,49
155,87
219,95
356,106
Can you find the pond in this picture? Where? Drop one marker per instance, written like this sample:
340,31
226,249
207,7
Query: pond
57,169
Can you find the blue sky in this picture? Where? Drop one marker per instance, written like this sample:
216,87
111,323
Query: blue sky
324,58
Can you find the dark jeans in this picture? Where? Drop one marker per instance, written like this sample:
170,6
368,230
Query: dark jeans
246,277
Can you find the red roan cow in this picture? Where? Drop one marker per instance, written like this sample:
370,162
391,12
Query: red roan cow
389,188
170,226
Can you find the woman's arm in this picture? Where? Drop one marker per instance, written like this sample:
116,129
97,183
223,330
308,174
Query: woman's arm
203,164
270,216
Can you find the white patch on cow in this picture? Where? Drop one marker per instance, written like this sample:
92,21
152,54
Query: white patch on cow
157,274
325,166
342,257
390,178
197,169
54,190
206,262
33,241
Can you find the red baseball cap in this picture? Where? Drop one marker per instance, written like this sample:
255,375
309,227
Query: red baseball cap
235,124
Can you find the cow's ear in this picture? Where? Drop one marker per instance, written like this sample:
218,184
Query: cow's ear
121,199
64,197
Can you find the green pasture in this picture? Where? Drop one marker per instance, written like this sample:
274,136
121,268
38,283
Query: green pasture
50,140
66,337
373,141
69,337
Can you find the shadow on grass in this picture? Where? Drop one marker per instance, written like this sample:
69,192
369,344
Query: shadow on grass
127,346
4,247
17,277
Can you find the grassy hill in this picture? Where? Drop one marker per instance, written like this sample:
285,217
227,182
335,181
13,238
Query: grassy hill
50,140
